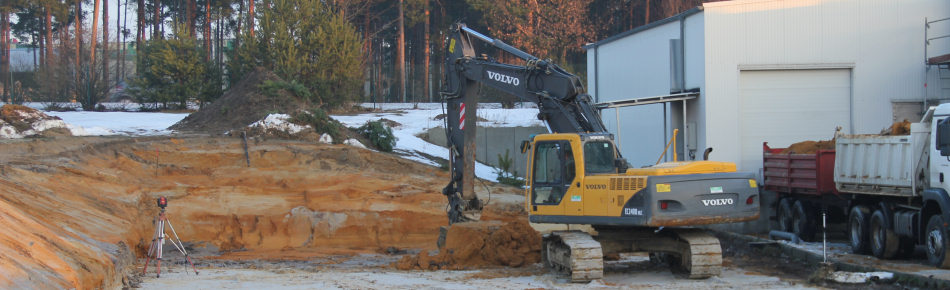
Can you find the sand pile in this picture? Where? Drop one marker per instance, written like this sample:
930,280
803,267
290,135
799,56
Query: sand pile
481,244
241,105
18,121
809,147
898,128
812,147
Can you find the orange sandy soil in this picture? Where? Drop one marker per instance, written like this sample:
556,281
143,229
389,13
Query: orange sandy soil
77,212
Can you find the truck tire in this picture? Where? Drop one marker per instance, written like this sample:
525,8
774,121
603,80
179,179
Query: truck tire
937,243
858,229
784,214
803,221
884,242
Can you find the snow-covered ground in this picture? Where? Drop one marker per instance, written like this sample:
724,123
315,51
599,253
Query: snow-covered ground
119,123
415,119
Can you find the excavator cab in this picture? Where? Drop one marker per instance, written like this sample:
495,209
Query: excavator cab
580,178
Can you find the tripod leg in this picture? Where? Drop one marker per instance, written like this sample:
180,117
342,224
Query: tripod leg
161,241
148,256
181,246
151,247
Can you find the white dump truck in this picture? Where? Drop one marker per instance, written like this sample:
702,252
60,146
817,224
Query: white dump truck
891,190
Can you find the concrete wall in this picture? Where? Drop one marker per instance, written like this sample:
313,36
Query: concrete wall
490,142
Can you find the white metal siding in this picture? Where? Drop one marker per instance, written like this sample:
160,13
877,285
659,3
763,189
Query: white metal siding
639,66
635,67
787,106
881,39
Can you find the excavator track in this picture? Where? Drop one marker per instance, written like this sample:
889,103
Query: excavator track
701,256
574,253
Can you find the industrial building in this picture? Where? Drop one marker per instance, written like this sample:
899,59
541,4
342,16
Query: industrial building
731,75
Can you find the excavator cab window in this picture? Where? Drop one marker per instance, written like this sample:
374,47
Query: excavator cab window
553,171
599,157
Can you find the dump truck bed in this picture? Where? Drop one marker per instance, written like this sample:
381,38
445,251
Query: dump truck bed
882,165
811,173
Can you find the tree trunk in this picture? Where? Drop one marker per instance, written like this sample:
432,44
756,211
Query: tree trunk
5,54
125,47
95,31
401,54
158,20
78,37
49,36
240,19
208,31
646,17
250,16
105,42
425,60
119,40
140,30
42,41
190,17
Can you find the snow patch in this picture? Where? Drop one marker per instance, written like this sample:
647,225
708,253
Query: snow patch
326,139
418,118
860,277
279,122
354,143
119,123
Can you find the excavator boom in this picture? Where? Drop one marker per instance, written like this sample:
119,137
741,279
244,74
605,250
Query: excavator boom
561,99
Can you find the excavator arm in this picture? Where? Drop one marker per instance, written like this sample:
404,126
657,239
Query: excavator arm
563,105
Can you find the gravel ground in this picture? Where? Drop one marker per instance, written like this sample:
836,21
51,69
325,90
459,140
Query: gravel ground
373,272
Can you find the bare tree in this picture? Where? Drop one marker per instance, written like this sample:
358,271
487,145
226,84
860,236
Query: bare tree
105,42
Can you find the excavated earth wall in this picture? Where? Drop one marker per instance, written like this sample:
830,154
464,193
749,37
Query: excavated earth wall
78,212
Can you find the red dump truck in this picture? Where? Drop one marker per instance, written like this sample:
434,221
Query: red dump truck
890,190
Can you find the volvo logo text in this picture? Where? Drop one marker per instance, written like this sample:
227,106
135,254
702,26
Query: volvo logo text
503,78
596,186
719,201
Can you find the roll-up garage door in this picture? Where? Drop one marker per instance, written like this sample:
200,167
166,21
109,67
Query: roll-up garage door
783,107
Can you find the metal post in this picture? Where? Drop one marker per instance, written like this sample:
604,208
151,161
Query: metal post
824,238
617,114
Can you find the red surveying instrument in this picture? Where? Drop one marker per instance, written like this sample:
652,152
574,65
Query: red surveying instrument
158,239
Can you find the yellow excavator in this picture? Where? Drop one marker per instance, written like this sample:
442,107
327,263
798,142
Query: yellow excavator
576,175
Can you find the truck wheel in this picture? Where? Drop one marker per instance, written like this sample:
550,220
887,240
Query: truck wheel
858,226
784,215
937,243
803,221
884,242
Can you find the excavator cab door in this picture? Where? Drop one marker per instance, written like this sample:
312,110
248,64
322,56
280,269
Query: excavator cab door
552,171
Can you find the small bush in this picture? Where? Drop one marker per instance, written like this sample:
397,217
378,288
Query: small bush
504,172
379,134
320,121
58,107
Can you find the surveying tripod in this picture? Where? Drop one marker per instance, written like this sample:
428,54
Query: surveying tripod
158,239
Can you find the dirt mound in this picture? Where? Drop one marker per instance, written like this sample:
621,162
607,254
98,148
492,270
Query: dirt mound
809,147
898,128
243,104
481,244
18,121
